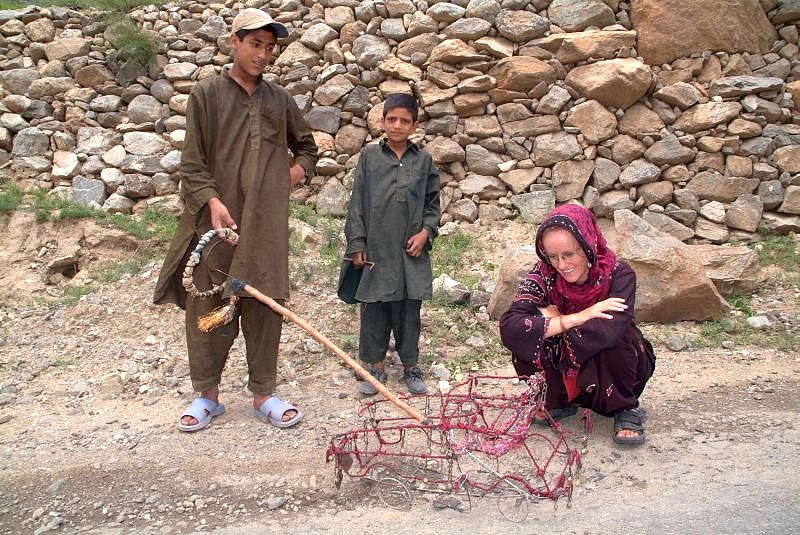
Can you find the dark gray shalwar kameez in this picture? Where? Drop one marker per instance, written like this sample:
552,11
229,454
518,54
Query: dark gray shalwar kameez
392,200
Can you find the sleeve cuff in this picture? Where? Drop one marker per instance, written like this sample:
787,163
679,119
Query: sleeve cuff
196,201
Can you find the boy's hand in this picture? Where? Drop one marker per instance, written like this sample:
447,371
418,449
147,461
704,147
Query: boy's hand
220,217
296,175
359,258
416,243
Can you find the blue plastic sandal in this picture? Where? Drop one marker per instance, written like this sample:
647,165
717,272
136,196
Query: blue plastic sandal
203,410
273,410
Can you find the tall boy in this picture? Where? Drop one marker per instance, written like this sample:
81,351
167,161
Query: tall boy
392,221
236,173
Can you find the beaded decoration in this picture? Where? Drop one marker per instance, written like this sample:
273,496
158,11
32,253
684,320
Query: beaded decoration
194,259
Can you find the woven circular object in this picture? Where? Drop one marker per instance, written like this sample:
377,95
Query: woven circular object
194,259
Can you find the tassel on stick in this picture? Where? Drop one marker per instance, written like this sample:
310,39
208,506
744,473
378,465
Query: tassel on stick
219,316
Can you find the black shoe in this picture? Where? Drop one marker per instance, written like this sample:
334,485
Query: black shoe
413,378
366,387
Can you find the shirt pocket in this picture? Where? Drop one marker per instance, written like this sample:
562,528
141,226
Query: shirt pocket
269,127
413,180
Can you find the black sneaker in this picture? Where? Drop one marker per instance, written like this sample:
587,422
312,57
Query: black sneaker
413,379
366,388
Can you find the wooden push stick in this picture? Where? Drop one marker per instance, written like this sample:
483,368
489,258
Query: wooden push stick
291,316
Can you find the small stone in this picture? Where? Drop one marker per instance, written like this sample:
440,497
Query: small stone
676,343
758,322
274,503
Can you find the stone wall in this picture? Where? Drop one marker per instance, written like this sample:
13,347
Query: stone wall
526,103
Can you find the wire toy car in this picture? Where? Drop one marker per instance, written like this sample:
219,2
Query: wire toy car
479,444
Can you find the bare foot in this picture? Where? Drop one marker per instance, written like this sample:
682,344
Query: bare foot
628,433
211,394
259,400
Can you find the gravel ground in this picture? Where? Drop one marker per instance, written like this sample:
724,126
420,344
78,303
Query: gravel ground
90,394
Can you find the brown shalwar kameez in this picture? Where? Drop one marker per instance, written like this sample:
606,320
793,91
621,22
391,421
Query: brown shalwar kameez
237,149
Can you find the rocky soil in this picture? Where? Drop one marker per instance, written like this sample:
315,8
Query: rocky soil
90,394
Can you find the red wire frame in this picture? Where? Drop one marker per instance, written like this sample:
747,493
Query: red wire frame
471,427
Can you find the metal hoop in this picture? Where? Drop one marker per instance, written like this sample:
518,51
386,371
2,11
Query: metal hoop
194,259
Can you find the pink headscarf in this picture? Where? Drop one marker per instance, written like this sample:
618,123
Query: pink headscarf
581,223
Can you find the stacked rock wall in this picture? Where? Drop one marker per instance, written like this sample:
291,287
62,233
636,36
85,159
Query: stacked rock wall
526,103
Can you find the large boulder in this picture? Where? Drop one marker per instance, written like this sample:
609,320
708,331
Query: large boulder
707,115
511,274
521,73
578,46
733,269
671,282
614,82
594,121
671,29
520,26
577,15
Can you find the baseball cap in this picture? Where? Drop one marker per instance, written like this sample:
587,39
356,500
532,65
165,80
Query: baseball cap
252,19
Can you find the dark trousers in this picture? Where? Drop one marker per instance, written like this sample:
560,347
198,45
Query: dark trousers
379,320
208,352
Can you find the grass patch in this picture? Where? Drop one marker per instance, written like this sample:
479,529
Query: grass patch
71,295
104,5
740,303
10,197
777,250
452,327
152,224
131,42
114,271
56,208
330,252
448,253
303,212
296,245
322,263
736,330
348,342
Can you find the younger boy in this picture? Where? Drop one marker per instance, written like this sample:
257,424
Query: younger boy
392,221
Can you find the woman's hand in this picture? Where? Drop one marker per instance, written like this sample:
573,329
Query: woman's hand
602,309
550,311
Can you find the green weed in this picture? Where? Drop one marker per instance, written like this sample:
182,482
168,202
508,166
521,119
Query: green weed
112,272
71,295
296,245
330,252
740,303
49,207
777,250
131,42
348,342
303,212
105,5
151,224
10,197
452,327
736,330
448,253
